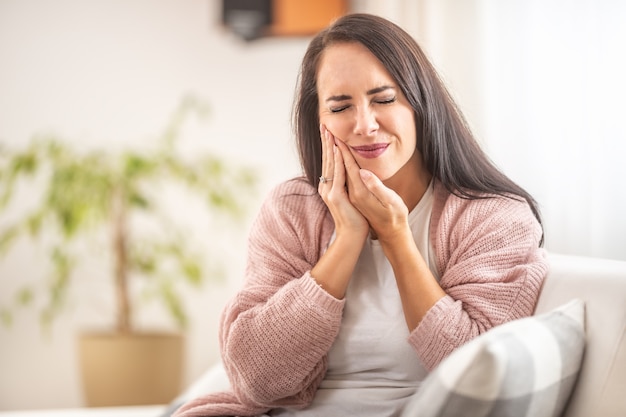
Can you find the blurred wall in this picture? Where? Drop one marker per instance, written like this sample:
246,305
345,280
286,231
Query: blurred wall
541,84
539,81
553,106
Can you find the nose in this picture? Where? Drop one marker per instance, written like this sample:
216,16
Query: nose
365,123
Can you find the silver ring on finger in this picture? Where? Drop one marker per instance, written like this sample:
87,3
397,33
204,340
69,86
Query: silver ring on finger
324,180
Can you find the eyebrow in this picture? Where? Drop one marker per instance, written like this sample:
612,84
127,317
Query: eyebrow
343,97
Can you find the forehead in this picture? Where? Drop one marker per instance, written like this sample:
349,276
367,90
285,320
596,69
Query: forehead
350,64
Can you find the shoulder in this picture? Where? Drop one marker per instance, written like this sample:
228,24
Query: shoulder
294,187
462,227
294,212
452,211
294,197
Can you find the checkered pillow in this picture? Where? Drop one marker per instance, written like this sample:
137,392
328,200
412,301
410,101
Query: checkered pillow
527,367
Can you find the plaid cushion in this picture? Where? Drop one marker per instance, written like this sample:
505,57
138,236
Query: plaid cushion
527,367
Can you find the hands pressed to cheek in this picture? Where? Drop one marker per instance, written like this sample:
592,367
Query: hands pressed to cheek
359,202
382,208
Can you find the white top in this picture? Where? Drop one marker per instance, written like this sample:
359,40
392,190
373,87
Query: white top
372,369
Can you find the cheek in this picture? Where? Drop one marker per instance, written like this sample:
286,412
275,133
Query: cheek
335,125
323,118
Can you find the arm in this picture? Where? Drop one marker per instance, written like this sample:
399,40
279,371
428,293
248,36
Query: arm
387,215
490,263
491,269
276,332
418,288
334,269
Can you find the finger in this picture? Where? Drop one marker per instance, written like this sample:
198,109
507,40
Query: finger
349,160
353,178
386,197
328,160
339,172
376,187
329,139
326,156
324,149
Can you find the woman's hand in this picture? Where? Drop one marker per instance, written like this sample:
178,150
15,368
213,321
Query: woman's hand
348,219
384,210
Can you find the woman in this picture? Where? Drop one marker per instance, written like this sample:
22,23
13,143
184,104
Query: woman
401,243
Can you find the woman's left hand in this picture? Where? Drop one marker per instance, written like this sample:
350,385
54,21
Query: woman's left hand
387,214
383,208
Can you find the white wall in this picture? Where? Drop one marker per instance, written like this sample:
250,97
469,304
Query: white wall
108,73
554,102
542,84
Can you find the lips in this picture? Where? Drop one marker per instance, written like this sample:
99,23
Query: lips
370,151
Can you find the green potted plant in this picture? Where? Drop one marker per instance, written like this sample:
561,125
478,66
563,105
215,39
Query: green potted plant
119,196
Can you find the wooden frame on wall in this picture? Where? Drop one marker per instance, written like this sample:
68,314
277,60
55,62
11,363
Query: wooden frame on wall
253,19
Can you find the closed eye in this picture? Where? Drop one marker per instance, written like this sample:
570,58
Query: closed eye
338,109
340,101
386,101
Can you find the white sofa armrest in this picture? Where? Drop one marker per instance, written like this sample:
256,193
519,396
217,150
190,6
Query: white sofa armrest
213,379
601,283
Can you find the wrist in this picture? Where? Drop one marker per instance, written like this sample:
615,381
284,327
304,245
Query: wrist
397,236
352,234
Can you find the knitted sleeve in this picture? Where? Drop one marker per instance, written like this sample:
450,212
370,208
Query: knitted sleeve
276,332
491,268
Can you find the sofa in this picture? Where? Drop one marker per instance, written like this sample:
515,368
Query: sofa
600,386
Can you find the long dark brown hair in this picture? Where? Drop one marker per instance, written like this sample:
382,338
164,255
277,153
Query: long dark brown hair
448,148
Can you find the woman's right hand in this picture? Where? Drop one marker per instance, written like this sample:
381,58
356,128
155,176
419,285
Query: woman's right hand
334,268
334,192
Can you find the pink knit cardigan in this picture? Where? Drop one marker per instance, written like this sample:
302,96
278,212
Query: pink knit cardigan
276,332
